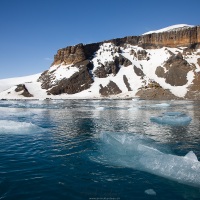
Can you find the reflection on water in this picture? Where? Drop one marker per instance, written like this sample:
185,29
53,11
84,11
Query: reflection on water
54,162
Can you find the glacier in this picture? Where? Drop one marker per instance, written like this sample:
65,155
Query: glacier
142,153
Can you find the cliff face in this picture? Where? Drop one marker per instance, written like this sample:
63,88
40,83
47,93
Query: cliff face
182,37
135,64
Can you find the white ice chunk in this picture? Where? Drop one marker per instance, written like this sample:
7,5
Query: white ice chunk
172,118
191,156
100,108
14,127
150,192
141,153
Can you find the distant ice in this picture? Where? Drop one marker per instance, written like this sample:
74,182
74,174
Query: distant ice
159,106
162,105
172,118
100,108
15,127
141,153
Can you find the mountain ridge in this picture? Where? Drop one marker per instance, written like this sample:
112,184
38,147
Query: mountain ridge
159,65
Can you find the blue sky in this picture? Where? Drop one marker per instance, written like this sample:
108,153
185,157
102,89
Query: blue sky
31,31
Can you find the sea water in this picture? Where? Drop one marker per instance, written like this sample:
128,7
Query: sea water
98,149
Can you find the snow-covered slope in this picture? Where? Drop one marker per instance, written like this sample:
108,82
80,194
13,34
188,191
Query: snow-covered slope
115,69
8,86
176,27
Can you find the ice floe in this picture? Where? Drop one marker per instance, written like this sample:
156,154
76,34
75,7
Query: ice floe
172,118
141,153
155,106
150,192
15,127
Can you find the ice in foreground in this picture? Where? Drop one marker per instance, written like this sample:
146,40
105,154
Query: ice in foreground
141,153
172,118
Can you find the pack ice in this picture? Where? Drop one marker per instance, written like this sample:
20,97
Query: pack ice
172,118
141,153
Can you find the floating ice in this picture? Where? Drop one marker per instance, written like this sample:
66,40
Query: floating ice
150,192
14,127
100,108
191,156
161,105
141,153
172,118
156,106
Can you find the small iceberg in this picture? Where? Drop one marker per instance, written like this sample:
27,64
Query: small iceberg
142,153
172,118
150,192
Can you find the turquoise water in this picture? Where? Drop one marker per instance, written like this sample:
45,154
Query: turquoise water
57,150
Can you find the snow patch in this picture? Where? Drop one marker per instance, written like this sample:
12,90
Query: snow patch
176,27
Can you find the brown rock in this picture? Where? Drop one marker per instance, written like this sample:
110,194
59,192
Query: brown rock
22,88
142,55
181,37
198,61
138,71
160,72
78,82
126,83
110,89
177,70
156,94
112,67
100,72
69,55
45,79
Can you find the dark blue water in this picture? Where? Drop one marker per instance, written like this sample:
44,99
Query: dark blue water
53,149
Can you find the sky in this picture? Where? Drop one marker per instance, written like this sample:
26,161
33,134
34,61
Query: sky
31,31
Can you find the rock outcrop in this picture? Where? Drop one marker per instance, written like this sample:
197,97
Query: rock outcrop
110,89
181,37
75,54
24,91
111,67
177,69
78,82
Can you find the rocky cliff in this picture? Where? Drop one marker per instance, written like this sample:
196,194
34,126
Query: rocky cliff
185,37
100,61
175,38
163,64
